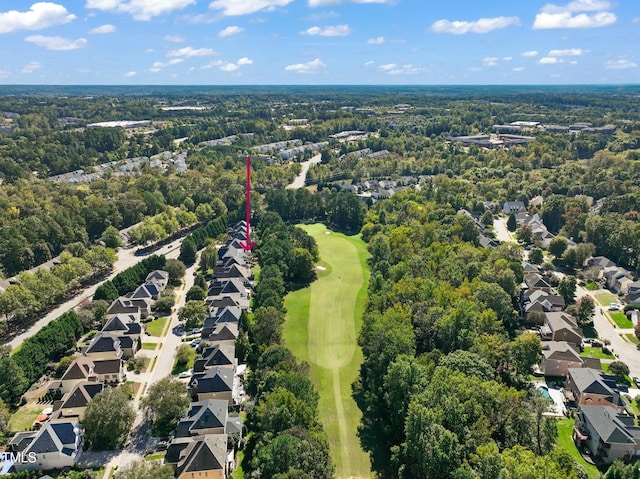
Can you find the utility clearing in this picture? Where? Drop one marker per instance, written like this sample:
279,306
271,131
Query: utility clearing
322,326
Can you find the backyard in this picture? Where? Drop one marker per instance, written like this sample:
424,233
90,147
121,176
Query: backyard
323,321
565,442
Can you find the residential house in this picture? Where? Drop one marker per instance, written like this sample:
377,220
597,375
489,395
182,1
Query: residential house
535,281
226,314
223,333
214,383
83,369
600,262
204,417
617,279
219,355
158,277
561,326
199,457
512,207
149,291
593,388
633,293
231,287
123,306
105,346
57,445
608,434
559,356
544,302
74,403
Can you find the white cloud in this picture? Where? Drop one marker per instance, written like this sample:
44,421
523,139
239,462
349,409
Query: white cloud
130,74
40,15
388,67
376,41
517,69
174,38
572,15
333,31
320,16
546,21
326,3
620,64
157,66
578,6
57,43
482,25
230,31
530,53
139,9
636,20
231,67
312,66
369,63
189,52
245,7
490,61
550,60
567,52
103,29
31,67
407,69
507,59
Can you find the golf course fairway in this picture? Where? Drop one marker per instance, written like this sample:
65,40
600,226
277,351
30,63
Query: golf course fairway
322,326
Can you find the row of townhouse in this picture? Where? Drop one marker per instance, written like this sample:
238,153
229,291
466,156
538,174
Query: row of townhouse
206,440
59,441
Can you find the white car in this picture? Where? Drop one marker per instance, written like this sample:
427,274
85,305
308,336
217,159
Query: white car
184,374
614,306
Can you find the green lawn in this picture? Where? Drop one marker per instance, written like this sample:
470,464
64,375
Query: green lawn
591,286
180,368
23,418
621,320
605,298
565,428
631,338
591,352
323,321
150,346
156,327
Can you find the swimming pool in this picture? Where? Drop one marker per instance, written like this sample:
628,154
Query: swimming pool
544,391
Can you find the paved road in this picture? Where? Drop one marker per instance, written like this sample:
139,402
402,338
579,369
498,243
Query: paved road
301,178
126,259
500,228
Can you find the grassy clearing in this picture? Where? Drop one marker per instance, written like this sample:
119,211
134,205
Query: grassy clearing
621,320
23,418
323,321
605,298
156,327
591,352
565,442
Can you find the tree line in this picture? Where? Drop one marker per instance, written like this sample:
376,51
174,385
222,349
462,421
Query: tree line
129,279
286,438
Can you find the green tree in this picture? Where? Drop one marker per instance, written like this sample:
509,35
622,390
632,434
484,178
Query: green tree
620,470
165,403
487,218
188,251
536,256
525,352
144,469
558,246
583,310
282,410
108,419
525,235
511,222
176,270
111,237
584,251
5,415
196,293
430,451
193,312
620,370
208,258
567,288
184,354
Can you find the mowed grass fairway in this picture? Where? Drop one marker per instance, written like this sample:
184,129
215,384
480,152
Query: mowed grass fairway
322,326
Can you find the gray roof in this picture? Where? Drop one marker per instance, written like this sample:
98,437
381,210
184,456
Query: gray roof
611,426
208,452
218,379
202,415
590,381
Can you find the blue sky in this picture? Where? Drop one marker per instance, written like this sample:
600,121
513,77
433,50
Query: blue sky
267,42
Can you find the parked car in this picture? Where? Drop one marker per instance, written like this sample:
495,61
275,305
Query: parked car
636,380
194,343
614,306
185,374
